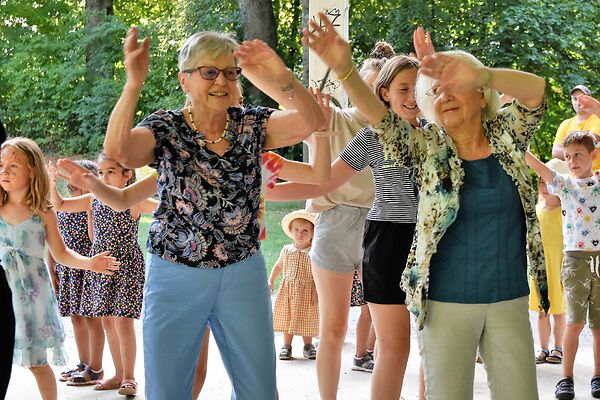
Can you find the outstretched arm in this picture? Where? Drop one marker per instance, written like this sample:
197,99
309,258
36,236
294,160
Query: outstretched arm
341,173
115,198
539,167
590,104
102,262
336,53
72,204
455,74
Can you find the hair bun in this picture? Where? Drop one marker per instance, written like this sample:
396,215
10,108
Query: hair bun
382,50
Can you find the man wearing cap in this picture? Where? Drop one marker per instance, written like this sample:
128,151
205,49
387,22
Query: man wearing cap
585,119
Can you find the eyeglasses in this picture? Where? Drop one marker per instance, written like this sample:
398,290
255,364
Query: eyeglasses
211,73
433,91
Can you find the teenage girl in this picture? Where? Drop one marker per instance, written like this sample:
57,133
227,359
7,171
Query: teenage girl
27,224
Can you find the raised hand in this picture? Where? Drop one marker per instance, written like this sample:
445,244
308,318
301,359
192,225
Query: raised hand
452,73
329,46
75,174
589,104
137,58
104,263
422,43
324,102
51,173
256,58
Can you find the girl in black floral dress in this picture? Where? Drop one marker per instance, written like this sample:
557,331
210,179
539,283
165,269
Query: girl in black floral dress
118,299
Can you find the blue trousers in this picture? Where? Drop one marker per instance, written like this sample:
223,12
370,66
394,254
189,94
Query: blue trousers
235,300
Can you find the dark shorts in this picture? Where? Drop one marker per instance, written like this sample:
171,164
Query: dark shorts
386,247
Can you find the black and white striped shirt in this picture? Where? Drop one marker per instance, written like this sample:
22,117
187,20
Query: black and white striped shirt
395,196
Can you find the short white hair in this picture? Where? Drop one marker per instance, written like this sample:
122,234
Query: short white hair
425,101
202,44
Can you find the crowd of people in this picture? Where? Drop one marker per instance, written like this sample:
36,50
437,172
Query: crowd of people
429,190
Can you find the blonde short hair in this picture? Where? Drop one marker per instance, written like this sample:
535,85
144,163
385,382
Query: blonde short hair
202,44
38,196
424,84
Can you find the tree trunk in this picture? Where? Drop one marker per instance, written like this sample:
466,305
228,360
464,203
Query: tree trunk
96,11
258,22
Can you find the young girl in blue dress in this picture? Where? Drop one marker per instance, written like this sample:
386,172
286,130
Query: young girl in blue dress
27,224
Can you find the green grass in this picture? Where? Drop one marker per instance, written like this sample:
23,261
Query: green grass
271,247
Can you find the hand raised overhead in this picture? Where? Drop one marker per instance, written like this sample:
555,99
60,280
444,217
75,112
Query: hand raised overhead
329,46
137,58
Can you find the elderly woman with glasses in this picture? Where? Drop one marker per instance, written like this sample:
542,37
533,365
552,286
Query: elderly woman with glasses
204,259
476,233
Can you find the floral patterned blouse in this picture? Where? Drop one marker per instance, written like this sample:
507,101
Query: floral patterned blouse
439,175
208,212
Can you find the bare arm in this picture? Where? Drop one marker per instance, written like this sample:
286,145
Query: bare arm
340,174
589,104
52,271
115,198
276,271
539,167
131,147
458,75
102,262
266,70
336,53
146,206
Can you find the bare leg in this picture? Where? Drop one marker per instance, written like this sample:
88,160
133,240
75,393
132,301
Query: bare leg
127,346
421,383
596,344
307,339
201,366
96,338
333,289
570,345
363,327
112,336
372,341
46,381
82,340
558,329
543,323
287,339
392,325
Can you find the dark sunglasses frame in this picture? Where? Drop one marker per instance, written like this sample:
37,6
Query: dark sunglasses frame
226,71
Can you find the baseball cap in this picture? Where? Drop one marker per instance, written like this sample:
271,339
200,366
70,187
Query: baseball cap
583,88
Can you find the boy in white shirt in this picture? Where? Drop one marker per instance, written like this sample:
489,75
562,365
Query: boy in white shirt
579,194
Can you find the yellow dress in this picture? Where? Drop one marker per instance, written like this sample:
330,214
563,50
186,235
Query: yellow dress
295,312
552,240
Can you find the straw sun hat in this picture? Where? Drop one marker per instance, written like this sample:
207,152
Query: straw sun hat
287,220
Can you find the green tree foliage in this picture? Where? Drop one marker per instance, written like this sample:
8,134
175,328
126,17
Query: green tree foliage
44,93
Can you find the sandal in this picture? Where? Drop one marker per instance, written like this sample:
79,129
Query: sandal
309,352
128,388
285,353
86,378
542,356
108,384
555,356
365,363
65,375
595,384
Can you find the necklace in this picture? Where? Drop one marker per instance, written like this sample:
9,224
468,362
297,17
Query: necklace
189,110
